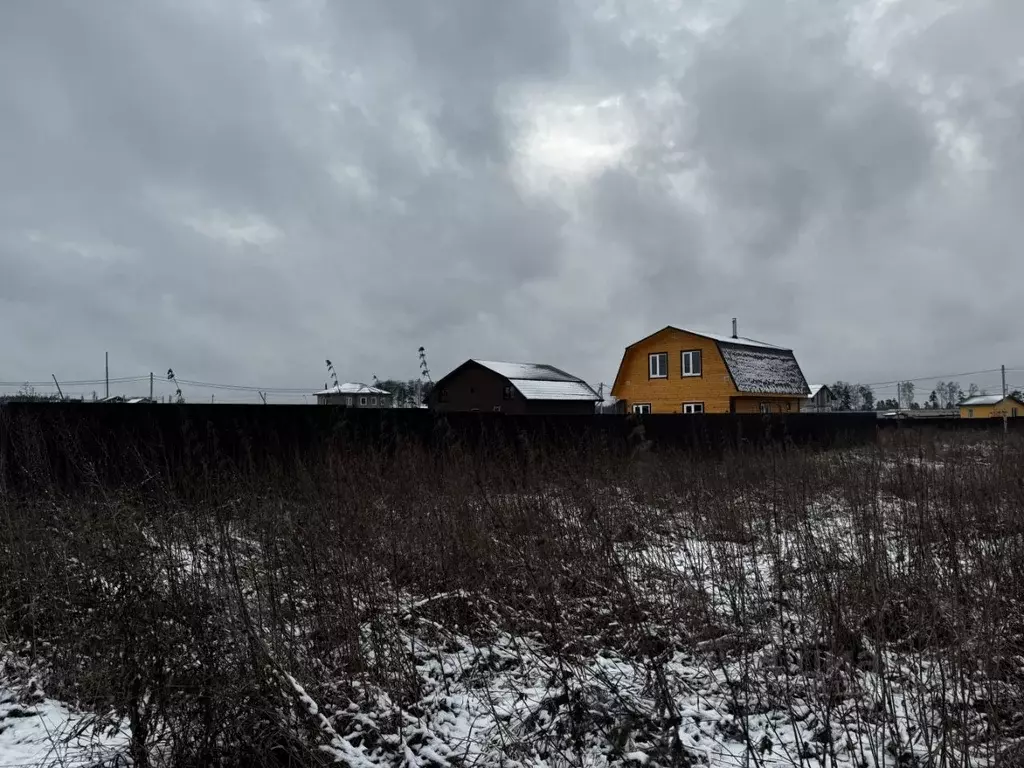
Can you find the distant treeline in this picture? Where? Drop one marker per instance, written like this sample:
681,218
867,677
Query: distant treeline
946,394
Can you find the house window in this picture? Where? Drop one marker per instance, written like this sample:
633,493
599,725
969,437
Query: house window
693,407
442,396
362,400
349,400
657,365
497,409
506,393
766,407
641,408
373,400
691,363
789,406
970,413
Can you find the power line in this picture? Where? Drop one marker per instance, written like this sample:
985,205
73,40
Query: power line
933,378
75,383
245,387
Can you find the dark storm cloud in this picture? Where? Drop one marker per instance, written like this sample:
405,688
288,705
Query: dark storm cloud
240,190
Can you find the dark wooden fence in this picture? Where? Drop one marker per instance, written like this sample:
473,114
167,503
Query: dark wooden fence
124,443
952,425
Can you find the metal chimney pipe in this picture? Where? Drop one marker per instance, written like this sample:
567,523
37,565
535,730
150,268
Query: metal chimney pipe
734,328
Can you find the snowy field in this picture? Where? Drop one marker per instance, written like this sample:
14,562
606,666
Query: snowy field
845,609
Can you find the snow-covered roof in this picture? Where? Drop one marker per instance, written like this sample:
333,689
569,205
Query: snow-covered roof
352,388
757,367
738,340
530,371
532,389
536,381
982,400
764,371
815,389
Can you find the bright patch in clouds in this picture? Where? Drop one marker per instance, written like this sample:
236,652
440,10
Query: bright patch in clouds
567,141
235,231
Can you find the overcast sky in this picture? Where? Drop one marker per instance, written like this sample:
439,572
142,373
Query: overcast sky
241,189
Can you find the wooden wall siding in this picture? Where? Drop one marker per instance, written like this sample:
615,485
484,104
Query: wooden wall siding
475,388
997,411
714,387
752,403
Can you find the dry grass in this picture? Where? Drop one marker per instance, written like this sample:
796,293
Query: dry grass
859,607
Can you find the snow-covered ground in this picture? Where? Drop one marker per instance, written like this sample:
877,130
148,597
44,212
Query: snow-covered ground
724,639
39,732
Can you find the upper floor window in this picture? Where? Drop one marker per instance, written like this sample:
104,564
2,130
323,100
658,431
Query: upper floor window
641,408
657,365
506,393
691,363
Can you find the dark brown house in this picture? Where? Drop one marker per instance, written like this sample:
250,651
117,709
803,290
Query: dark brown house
515,388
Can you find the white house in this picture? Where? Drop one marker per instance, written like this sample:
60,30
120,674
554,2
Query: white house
354,395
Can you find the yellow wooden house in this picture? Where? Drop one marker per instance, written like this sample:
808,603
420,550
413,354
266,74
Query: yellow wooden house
679,371
991,407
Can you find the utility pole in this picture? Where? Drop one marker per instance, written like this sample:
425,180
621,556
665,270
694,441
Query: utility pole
1006,426
151,386
62,394
106,369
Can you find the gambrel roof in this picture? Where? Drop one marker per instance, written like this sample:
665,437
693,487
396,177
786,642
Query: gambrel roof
756,367
537,381
763,371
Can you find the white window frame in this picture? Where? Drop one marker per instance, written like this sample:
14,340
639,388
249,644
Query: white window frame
650,365
349,400
362,400
373,400
693,407
641,408
688,356
766,407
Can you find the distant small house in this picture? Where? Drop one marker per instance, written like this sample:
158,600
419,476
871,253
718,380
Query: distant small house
820,400
516,388
354,395
679,371
991,407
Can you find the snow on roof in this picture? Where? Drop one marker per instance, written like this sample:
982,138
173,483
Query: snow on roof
536,381
768,371
532,389
738,340
982,400
352,388
530,371
815,389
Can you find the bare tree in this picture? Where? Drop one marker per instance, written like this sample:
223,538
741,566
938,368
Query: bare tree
905,394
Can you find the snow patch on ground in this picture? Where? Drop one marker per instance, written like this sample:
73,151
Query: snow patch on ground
47,733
